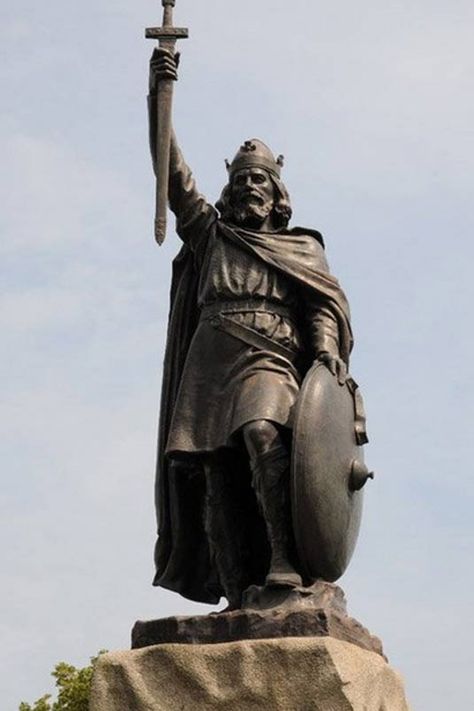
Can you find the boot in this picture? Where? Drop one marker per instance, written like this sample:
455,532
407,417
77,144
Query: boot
271,484
223,536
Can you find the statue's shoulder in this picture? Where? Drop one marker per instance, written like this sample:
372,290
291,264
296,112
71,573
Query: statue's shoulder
308,232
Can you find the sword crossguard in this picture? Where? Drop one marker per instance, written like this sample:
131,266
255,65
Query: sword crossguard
167,33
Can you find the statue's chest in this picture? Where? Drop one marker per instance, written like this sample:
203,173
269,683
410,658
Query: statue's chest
231,272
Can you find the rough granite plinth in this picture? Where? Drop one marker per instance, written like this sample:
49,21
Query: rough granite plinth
291,674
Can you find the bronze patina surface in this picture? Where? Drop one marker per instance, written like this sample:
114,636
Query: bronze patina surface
328,473
253,307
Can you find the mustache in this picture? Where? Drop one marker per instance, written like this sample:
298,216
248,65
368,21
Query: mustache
252,193
243,211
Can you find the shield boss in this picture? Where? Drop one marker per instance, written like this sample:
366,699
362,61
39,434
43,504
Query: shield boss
328,473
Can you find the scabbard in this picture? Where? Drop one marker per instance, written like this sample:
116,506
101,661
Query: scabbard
162,166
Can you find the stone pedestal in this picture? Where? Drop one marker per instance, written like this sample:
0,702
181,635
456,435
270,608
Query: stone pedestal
289,674
285,650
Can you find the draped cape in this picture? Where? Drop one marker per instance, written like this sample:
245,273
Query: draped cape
182,557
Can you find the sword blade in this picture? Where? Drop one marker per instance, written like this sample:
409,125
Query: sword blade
165,101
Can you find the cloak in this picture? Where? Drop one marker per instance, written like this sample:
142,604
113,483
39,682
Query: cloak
182,556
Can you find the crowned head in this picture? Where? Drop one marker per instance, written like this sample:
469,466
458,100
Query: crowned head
255,196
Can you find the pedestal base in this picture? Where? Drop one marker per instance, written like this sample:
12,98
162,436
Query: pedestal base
267,613
292,674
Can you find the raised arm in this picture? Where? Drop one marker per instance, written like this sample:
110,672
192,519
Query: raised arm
194,215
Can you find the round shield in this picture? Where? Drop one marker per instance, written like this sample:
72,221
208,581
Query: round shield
328,473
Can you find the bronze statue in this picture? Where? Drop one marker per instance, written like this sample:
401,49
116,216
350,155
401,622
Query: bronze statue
254,309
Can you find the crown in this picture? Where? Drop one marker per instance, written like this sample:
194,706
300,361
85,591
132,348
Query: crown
255,154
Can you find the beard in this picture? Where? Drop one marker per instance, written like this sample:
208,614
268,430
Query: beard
252,212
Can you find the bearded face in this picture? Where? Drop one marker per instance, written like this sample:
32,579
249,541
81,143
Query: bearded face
252,197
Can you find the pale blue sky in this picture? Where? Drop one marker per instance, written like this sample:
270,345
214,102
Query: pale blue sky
372,105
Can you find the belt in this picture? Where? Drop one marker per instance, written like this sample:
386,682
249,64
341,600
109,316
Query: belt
242,305
217,315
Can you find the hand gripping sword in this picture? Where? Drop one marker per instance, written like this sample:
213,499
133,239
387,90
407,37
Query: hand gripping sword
167,36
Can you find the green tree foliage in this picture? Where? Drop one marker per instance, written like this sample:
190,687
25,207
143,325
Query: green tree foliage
73,689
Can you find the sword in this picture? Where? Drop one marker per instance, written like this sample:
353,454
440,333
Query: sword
167,35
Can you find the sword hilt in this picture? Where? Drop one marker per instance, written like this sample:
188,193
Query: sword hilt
167,33
168,12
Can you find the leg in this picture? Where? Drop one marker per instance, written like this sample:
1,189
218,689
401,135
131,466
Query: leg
270,464
222,531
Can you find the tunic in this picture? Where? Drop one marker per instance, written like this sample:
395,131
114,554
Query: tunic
227,383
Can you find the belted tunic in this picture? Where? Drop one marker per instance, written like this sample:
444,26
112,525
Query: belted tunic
227,381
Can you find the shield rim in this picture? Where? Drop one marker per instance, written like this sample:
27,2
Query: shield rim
322,569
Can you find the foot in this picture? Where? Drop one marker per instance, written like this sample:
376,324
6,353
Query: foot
283,579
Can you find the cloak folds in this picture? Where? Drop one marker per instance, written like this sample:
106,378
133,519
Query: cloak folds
182,556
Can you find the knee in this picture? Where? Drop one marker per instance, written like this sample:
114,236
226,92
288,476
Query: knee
260,436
